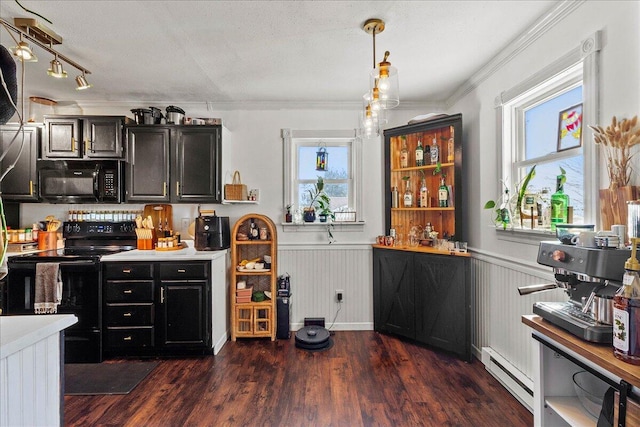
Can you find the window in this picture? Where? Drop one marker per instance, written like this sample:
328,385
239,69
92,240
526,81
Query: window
542,125
341,177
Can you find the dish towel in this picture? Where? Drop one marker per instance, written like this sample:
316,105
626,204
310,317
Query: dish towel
48,287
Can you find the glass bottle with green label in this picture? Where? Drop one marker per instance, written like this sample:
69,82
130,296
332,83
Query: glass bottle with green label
419,154
559,204
443,194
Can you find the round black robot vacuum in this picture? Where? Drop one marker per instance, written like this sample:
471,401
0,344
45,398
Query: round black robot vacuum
313,338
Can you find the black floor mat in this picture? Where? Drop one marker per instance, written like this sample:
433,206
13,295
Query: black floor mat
104,378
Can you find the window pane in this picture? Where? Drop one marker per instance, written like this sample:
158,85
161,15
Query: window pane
541,123
546,174
337,163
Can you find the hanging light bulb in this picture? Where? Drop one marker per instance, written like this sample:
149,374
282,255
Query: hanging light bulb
369,123
385,78
82,82
56,69
24,52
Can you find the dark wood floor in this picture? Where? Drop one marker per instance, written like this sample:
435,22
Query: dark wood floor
365,379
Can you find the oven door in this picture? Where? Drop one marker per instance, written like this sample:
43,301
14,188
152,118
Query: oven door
81,291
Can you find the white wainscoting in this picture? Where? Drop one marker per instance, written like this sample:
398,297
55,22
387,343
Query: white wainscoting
497,309
317,271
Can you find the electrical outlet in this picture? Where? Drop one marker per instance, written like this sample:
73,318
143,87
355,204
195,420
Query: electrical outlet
339,295
184,223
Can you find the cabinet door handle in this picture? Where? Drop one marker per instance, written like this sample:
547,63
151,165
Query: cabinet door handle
30,187
128,291
126,315
126,270
129,338
164,189
162,295
180,270
73,144
177,188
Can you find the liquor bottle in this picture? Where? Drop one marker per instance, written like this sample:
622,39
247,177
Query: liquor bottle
443,194
419,154
253,230
408,195
435,152
424,194
559,204
450,147
626,311
404,154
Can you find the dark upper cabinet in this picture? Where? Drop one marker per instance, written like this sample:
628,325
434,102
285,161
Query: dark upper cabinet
174,164
21,182
83,137
197,164
147,172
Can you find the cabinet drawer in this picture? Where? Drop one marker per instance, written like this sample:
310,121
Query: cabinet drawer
195,270
129,314
141,336
129,291
128,271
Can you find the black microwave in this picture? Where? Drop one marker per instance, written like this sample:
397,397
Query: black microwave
62,181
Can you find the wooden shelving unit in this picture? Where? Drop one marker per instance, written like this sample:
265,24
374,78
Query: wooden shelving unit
253,319
445,220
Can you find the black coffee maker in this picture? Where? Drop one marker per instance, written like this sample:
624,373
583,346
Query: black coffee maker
212,232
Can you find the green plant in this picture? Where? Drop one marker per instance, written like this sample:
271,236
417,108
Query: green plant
503,217
322,200
439,170
503,214
521,189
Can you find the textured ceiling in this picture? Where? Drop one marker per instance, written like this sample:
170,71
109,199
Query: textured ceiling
234,52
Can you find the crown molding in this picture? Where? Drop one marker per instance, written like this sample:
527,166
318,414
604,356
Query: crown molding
547,21
213,106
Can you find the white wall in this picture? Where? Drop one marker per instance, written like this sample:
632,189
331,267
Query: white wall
504,265
620,96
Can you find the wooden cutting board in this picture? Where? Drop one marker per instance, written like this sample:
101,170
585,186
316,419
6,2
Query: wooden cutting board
161,214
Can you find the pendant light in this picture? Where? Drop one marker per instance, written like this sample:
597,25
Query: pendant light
384,92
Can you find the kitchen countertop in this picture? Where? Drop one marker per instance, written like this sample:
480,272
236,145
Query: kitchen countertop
20,332
188,253
600,354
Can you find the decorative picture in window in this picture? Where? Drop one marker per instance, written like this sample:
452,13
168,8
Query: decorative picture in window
570,128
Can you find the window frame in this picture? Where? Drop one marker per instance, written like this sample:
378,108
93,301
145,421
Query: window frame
509,113
293,138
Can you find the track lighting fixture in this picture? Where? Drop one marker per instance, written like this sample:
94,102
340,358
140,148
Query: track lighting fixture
24,52
56,69
45,38
82,83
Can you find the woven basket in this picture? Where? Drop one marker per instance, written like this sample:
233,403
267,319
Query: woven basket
236,190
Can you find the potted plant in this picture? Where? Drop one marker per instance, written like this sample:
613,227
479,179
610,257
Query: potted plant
318,196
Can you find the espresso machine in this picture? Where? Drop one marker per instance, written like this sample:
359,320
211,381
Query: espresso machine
212,232
591,277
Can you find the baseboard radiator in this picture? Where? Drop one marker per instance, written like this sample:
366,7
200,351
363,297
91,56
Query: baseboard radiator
499,337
